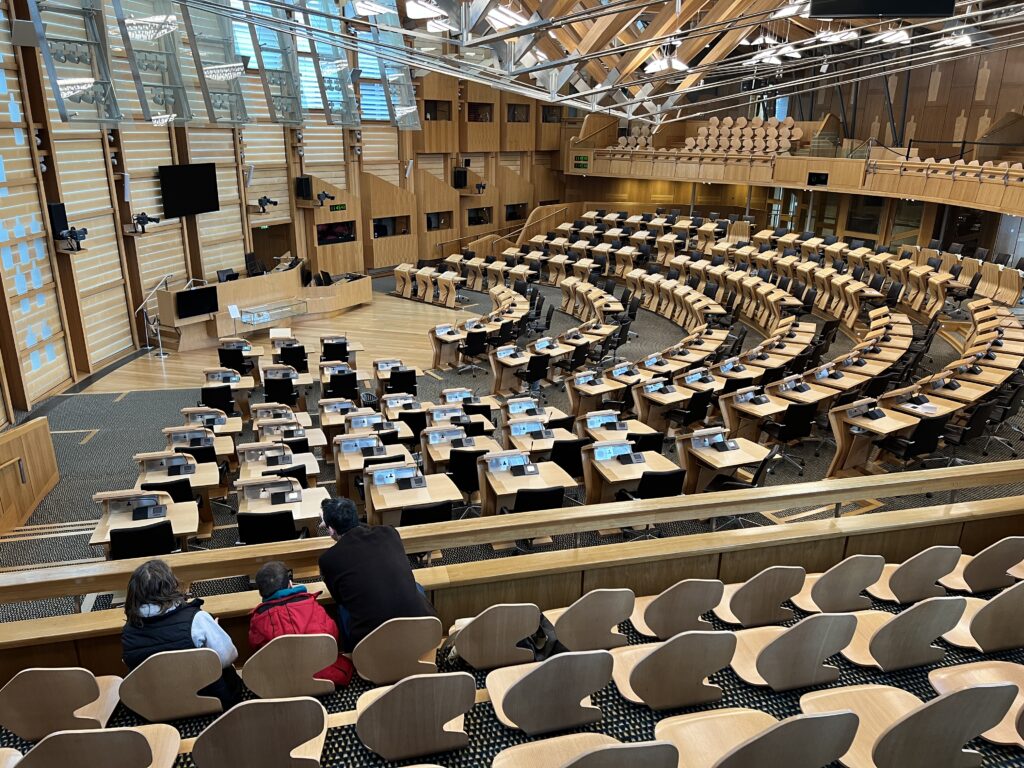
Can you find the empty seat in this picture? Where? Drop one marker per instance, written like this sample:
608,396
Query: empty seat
897,641
960,676
287,665
397,649
587,750
986,570
914,579
489,639
838,590
166,685
673,673
550,695
591,623
759,600
991,625
144,746
37,702
678,609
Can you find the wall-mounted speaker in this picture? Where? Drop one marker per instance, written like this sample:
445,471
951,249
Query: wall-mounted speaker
250,171
459,178
127,187
303,187
408,169
58,218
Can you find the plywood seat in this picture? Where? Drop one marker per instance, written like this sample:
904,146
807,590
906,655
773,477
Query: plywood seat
898,641
794,657
550,695
897,731
749,738
489,639
166,686
285,667
37,702
838,590
991,625
988,569
264,733
673,673
420,715
145,746
678,609
587,750
914,579
758,601
397,649
591,623
949,679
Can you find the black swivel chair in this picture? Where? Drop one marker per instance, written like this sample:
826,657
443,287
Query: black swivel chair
416,421
535,499
656,485
647,441
696,409
335,351
919,444
235,360
727,483
154,540
218,396
426,514
280,391
473,351
295,356
957,436
267,527
295,472
401,380
463,472
568,455
576,360
536,371
796,425
344,385
179,489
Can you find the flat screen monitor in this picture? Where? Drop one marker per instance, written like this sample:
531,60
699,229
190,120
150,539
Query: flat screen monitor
188,190
335,232
862,9
197,301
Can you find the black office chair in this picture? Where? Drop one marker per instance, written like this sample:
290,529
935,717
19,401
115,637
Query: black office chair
959,295
295,472
562,422
280,391
344,385
576,360
335,351
226,275
203,454
425,514
1006,406
647,441
568,455
541,326
796,426
416,420
179,489
325,278
656,485
267,527
612,345
536,370
473,351
252,267
153,540
218,396
535,499
402,380
463,472
235,360
919,444
295,356
959,435
298,445
956,248
695,410
727,483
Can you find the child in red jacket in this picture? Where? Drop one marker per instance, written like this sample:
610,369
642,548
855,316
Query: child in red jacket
289,609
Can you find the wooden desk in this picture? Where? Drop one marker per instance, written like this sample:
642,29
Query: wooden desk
941,406
992,377
385,503
588,396
498,489
968,392
439,454
446,348
652,407
184,517
815,393
540,448
853,449
251,469
633,427
504,382
744,419
349,466
306,513
704,464
607,478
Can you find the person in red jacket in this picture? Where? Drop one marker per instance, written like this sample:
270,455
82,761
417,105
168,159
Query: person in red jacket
290,609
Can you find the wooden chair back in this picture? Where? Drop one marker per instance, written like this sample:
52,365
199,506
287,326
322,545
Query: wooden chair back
489,639
796,659
906,640
397,649
591,623
680,607
105,748
803,741
555,695
987,569
419,715
935,733
759,600
915,578
264,733
675,674
284,667
37,701
642,754
166,686
997,626
838,590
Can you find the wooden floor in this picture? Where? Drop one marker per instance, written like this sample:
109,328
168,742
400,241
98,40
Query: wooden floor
387,327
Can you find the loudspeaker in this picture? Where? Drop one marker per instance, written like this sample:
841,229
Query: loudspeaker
459,178
58,218
304,187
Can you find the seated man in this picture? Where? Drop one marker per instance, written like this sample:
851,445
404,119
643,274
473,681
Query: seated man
367,573
290,609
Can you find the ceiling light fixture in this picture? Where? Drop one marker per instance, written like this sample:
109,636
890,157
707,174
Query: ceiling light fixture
369,8
161,121
792,9
665,64
224,72
150,28
897,36
959,39
423,9
838,35
441,25
503,18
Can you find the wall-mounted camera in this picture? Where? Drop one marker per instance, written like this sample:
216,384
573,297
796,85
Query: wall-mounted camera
73,237
323,197
264,201
140,220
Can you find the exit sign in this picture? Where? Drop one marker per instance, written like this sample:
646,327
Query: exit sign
581,162
339,207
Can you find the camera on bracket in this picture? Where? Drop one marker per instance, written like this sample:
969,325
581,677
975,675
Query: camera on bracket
73,237
140,220
264,201
324,196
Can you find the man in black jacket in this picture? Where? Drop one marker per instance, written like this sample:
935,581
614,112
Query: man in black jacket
367,573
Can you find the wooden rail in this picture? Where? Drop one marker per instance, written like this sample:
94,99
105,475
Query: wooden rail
556,579
106,576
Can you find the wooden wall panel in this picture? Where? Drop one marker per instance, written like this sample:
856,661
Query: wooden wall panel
380,153
433,164
324,148
28,471
264,147
222,243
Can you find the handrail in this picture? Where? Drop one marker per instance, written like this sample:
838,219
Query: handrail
145,301
144,308
70,580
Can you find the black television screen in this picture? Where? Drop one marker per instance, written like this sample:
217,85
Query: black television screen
198,301
189,189
863,9
335,232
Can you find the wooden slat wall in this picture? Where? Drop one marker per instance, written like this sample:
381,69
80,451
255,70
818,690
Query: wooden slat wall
432,164
38,345
510,160
220,234
324,147
380,152
264,145
477,164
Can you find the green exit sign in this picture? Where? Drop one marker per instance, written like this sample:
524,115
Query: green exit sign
339,207
580,166
581,158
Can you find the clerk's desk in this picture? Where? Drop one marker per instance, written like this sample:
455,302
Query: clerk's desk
745,410
286,429
266,495
586,390
605,473
212,418
437,443
505,362
353,453
240,386
703,462
118,507
856,433
445,340
268,458
180,438
168,466
654,398
387,495
499,483
528,434
332,420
